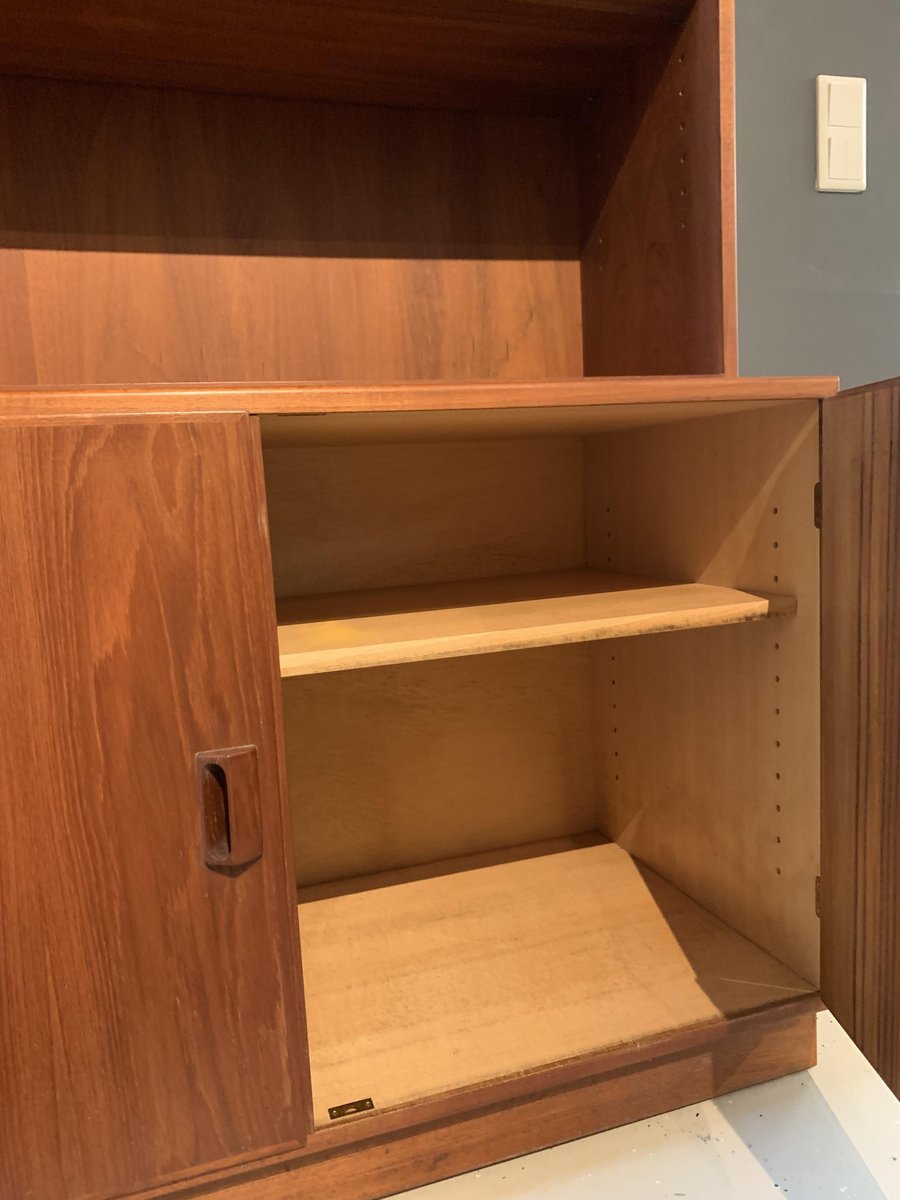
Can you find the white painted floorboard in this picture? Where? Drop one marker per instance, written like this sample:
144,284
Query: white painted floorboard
831,1132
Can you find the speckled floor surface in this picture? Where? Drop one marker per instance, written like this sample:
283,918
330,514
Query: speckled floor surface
832,1132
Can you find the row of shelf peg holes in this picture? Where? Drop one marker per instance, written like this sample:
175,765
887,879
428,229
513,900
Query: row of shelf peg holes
777,646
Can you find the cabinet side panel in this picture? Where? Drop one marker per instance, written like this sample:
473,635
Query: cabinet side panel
708,741
162,236
658,287
861,721
150,1004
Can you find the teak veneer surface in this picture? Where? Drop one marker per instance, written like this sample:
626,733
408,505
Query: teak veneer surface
153,236
158,234
440,984
861,720
165,233
460,396
501,53
151,1007
430,621
658,265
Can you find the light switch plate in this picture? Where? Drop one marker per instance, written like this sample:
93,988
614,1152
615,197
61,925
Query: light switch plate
841,111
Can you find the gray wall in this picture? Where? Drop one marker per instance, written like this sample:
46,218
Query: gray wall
818,273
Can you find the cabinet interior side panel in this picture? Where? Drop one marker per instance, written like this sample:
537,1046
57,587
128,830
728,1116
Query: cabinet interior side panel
161,236
353,517
658,261
395,766
708,741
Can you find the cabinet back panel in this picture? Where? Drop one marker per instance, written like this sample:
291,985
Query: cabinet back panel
396,766
352,517
708,741
152,235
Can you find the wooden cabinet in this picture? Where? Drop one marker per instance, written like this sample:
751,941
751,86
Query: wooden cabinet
400,580
550,700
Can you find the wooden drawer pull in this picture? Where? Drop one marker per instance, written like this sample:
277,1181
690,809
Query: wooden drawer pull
228,782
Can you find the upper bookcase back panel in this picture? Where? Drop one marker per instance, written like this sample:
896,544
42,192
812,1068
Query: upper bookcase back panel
365,192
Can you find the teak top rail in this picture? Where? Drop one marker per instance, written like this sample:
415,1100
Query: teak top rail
413,397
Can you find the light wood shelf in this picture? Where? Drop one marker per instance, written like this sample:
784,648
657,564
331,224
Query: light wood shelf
479,616
429,985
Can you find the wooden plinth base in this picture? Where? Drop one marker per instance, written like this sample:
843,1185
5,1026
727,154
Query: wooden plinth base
730,1055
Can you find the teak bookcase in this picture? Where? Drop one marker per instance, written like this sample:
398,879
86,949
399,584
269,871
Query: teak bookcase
355,665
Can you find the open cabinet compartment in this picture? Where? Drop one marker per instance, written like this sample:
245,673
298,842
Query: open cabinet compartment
539,193
515,852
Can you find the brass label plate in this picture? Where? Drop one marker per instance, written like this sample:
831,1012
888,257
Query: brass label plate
351,1108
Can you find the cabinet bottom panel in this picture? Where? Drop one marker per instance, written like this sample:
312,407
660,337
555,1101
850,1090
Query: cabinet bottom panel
421,988
725,1057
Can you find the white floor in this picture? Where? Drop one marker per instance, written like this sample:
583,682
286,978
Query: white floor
831,1132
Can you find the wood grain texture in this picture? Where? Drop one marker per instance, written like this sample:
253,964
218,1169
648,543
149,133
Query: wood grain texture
449,866
728,185
228,786
480,616
356,517
551,1077
475,396
149,1031
420,988
860,901
527,53
397,766
658,259
708,741
280,430
734,1055
163,236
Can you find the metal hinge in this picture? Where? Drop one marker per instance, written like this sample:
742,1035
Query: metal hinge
817,505
818,895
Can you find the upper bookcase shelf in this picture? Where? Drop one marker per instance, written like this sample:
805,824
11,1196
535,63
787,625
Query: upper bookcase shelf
471,53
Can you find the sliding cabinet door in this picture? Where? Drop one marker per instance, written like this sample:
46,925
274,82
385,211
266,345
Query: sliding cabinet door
150,1002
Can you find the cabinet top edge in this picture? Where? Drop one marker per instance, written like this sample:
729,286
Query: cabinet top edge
300,398
877,386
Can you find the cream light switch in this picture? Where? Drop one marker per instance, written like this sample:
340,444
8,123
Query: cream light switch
841,109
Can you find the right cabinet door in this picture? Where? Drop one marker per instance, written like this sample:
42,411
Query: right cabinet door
860,890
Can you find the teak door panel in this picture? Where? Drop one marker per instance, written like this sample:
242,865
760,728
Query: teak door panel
860,903
149,977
